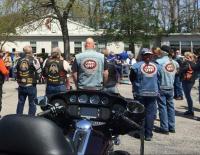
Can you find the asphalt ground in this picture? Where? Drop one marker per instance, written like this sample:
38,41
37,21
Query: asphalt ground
186,140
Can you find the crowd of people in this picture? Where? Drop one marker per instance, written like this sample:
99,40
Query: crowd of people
158,76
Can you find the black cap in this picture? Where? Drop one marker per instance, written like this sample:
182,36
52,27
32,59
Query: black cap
165,48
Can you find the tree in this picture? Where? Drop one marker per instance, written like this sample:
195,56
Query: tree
40,9
10,19
131,21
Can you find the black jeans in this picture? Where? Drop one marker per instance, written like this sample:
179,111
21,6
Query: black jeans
1,91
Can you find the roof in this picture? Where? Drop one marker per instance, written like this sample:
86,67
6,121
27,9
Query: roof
51,27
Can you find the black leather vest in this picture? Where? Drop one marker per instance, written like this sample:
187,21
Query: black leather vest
54,71
26,73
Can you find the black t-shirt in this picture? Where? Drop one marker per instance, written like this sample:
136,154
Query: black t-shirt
112,75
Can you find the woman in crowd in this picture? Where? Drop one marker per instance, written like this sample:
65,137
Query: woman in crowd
8,63
188,71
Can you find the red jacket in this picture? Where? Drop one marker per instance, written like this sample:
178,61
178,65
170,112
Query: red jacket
3,69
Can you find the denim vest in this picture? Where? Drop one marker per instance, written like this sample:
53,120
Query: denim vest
90,70
168,71
147,79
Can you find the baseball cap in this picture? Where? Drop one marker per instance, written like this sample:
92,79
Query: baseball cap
145,51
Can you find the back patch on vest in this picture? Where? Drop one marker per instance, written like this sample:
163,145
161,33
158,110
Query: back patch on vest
24,66
89,65
149,70
25,75
53,68
169,67
53,75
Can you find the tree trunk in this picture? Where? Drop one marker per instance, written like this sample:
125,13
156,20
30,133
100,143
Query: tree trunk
132,47
66,41
172,5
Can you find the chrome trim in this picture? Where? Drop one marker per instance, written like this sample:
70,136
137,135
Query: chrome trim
81,136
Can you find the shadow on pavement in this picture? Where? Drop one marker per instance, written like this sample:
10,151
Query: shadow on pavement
185,107
181,114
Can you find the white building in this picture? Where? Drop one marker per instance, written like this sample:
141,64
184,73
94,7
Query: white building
48,35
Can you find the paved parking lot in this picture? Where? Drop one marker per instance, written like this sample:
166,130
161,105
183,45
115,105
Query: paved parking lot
186,140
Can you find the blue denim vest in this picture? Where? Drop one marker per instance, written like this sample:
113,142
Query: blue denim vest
168,71
147,79
90,70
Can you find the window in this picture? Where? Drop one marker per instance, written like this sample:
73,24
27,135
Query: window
185,43
196,45
33,45
54,44
13,50
77,47
174,44
43,50
101,46
126,47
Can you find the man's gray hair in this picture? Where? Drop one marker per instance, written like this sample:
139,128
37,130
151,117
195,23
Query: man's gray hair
56,52
28,49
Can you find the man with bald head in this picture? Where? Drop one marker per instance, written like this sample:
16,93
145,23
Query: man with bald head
90,69
27,70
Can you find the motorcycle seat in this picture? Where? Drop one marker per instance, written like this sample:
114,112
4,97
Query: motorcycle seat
29,135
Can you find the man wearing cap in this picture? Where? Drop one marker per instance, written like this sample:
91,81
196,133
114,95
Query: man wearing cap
55,71
165,102
90,69
27,70
145,78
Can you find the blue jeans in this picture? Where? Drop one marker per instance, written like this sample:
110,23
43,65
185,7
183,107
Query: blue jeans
53,89
187,87
178,89
166,110
150,113
23,92
199,90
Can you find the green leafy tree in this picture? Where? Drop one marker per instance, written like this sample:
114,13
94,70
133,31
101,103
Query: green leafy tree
132,21
40,9
10,19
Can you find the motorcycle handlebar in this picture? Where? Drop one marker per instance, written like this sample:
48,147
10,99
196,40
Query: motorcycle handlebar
131,122
52,110
44,113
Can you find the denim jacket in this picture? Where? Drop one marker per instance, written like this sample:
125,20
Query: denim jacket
168,70
90,70
145,79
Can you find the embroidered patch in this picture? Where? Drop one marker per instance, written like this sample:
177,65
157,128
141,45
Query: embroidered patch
89,65
149,69
169,67
24,66
53,69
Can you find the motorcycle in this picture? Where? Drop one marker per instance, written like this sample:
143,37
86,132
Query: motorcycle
91,122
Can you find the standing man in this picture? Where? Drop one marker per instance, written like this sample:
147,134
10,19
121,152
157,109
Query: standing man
3,72
145,78
55,71
113,78
27,69
90,69
165,102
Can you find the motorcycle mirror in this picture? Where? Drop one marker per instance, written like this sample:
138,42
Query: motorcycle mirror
41,101
135,107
